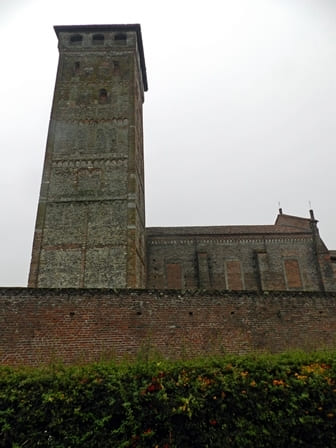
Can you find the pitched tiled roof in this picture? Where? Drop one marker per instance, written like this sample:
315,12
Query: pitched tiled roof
293,221
284,225
226,231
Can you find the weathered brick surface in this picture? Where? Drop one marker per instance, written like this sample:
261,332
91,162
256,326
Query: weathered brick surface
174,275
234,275
269,258
91,214
41,325
292,273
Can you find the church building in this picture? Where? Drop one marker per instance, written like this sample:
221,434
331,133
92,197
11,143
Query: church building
90,227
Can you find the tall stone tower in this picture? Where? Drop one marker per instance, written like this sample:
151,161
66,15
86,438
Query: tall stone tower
90,226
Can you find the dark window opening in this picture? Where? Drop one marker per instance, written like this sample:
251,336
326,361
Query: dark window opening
98,39
102,96
120,37
76,39
77,67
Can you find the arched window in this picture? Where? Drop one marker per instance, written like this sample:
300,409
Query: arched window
102,96
76,39
121,37
98,39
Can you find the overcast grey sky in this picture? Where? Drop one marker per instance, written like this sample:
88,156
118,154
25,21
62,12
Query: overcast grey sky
240,112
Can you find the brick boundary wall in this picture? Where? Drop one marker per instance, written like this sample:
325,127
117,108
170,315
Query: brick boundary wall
39,326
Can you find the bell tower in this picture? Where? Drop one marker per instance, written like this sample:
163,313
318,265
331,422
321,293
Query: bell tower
90,226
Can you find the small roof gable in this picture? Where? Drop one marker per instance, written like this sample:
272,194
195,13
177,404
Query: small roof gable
293,221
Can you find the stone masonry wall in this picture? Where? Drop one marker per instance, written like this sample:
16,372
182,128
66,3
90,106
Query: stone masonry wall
243,262
74,325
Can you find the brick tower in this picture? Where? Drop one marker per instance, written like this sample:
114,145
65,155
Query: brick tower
90,226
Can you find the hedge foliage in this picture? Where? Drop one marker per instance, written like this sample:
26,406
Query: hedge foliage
254,401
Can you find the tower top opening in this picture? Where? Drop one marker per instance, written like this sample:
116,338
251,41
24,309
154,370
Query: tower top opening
120,29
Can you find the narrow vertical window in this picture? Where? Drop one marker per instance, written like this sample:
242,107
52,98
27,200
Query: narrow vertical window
333,264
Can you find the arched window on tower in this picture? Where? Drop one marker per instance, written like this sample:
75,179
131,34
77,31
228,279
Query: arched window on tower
76,39
76,67
102,96
120,37
98,39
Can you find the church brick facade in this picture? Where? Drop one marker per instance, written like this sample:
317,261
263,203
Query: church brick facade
90,229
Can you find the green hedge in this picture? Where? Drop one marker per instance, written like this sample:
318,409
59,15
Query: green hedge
255,401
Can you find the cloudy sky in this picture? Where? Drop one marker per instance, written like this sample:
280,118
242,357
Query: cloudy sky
239,116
